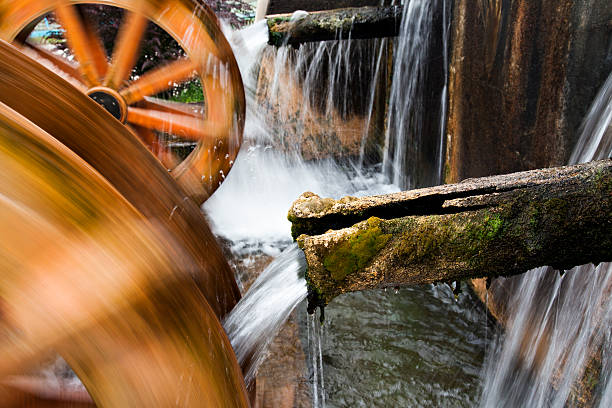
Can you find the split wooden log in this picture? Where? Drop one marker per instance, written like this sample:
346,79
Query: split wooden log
358,22
485,227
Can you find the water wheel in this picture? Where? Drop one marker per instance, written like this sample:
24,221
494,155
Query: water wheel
108,74
153,340
136,329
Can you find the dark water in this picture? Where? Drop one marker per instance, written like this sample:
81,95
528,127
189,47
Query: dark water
419,347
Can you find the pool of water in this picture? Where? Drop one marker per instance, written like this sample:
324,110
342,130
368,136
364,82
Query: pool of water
416,347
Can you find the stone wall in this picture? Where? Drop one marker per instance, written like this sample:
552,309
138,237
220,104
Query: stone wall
522,76
317,114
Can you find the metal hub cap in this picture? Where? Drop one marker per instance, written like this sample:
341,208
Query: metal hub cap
110,100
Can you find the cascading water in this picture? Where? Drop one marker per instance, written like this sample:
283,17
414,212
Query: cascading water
249,209
315,334
419,346
376,62
446,25
405,114
255,320
559,327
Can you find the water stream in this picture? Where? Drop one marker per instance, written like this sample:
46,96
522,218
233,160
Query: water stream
255,320
559,326
406,102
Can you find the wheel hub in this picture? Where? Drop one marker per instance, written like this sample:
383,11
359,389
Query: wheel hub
110,100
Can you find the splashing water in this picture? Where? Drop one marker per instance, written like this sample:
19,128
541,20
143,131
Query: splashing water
259,315
558,326
270,171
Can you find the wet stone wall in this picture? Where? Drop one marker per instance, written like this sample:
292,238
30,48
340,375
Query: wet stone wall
522,76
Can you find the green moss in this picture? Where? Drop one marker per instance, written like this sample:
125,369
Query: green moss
456,237
276,38
602,180
355,253
492,226
556,210
278,20
534,216
485,229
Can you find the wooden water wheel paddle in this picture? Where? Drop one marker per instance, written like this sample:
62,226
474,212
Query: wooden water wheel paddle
84,273
133,98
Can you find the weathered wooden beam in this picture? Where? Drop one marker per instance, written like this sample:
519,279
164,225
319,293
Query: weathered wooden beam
357,22
493,226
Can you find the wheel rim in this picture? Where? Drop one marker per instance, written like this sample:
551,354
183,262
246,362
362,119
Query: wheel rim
136,329
217,129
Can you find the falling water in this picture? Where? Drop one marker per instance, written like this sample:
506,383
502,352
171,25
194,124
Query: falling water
446,23
406,102
297,102
271,172
259,315
315,351
318,99
376,62
367,355
595,141
559,327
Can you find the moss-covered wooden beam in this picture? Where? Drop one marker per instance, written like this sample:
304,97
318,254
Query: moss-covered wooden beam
487,227
357,22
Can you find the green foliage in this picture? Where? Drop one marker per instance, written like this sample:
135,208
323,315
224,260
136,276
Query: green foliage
355,253
191,93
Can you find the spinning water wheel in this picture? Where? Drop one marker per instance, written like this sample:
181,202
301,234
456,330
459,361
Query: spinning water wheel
157,341
106,76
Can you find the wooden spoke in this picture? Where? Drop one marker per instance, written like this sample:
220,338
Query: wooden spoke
219,109
126,49
98,53
151,140
60,63
219,121
159,79
184,126
81,41
191,109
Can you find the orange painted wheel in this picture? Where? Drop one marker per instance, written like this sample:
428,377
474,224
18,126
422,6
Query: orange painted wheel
198,142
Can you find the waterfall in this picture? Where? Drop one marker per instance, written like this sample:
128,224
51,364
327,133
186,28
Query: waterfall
446,26
406,101
559,325
289,91
595,141
374,87
308,110
259,315
300,96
